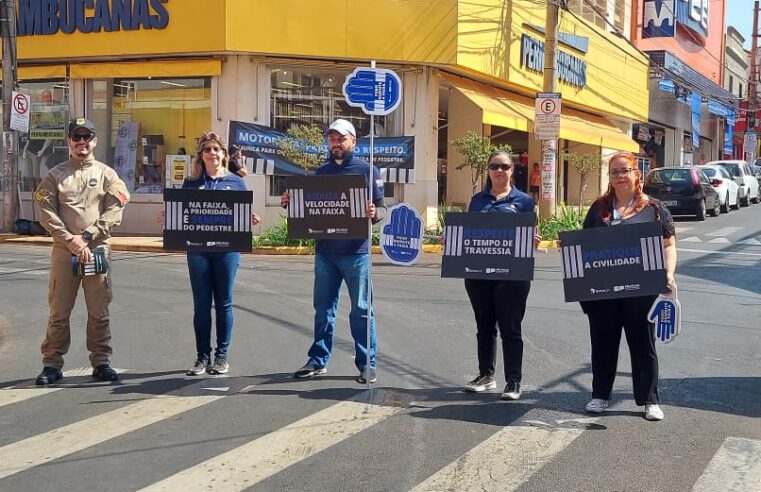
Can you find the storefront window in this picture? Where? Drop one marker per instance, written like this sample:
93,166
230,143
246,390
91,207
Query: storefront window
45,144
306,96
141,121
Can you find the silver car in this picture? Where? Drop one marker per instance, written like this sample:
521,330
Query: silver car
743,176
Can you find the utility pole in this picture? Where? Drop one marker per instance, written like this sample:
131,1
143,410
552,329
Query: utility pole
10,178
550,147
751,116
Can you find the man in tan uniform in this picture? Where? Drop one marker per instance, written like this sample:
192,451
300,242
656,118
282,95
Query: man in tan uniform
80,200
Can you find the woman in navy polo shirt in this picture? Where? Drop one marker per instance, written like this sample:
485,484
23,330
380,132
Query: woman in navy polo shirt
212,274
499,303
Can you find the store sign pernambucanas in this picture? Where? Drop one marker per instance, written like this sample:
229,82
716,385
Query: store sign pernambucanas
571,69
36,17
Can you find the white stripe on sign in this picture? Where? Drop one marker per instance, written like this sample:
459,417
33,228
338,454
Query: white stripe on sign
645,254
572,262
57,443
178,216
270,167
301,205
249,464
660,261
411,176
249,162
503,462
354,200
736,467
247,217
259,166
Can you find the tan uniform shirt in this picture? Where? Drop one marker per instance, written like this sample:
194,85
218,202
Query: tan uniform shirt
81,196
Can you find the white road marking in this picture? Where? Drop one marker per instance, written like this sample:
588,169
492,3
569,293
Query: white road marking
692,239
720,240
724,231
75,437
736,467
705,251
246,465
15,395
751,241
223,388
503,462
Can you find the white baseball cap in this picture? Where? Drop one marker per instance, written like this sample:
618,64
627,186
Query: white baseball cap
343,127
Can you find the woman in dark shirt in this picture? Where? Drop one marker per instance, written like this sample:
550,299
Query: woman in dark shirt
212,274
624,203
499,302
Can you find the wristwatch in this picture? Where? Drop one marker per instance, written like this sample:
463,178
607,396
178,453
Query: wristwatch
87,236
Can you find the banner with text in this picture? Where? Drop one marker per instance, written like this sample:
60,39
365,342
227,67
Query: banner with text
613,262
207,220
393,156
327,207
493,246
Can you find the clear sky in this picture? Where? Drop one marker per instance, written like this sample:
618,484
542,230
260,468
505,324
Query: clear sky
740,16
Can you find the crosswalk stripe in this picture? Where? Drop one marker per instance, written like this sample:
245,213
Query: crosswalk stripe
503,462
16,395
724,231
736,467
75,437
692,239
720,240
246,465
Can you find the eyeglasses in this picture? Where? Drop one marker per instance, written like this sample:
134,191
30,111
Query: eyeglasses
211,149
503,167
624,171
87,137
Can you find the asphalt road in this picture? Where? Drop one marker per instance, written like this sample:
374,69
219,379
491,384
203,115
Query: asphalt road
259,429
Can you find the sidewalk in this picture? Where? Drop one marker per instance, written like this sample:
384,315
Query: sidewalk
155,244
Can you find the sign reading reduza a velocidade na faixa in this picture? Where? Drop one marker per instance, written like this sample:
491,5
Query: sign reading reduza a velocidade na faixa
494,246
327,207
207,220
613,262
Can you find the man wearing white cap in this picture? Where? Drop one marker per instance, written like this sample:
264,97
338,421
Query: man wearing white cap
343,260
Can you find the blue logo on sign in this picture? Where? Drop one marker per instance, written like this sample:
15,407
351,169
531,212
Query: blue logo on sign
402,238
376,91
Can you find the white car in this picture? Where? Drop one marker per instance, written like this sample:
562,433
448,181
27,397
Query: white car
725,186
743,176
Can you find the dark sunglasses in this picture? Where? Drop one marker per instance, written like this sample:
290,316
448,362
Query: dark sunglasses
77,137
503,167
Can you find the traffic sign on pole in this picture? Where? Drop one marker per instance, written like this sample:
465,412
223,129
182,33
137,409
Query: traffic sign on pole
20,112
377,91
547,116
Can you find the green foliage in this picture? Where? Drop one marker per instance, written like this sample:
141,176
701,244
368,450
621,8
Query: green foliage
441,213
584,164
566,218
278,236
475,149
298,140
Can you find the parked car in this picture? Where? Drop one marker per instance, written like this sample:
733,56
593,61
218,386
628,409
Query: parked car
725,186
743,176
684,190
757,172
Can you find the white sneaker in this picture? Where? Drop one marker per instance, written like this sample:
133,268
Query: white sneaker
653,412
597,405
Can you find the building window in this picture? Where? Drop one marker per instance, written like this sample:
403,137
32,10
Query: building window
740,90
306,96
164,116
601,12
45,144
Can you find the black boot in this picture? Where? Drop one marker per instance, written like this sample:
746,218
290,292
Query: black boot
49,375
104,372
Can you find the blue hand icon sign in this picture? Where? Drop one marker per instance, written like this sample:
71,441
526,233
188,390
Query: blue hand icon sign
665,313
401,240
377,91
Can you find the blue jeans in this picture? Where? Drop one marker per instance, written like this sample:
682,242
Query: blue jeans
330,270
212,275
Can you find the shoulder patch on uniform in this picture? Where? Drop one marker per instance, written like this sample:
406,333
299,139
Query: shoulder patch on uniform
41,195
120,192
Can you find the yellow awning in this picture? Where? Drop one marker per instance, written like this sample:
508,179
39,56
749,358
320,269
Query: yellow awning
41,72
509,110
154,68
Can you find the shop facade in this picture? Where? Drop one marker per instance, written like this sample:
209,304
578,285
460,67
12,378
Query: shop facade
151,76
692,116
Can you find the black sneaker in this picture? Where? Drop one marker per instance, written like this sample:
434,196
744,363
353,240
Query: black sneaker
104,372
367,374
512,391
221,366
309,370
200,366
49,375
482,382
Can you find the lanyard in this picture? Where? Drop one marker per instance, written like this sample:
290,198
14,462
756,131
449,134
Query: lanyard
616,215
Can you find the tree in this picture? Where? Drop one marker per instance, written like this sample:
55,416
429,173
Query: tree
584,164
475,149
303,146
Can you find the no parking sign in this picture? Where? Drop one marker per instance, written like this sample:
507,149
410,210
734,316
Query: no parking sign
20,112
